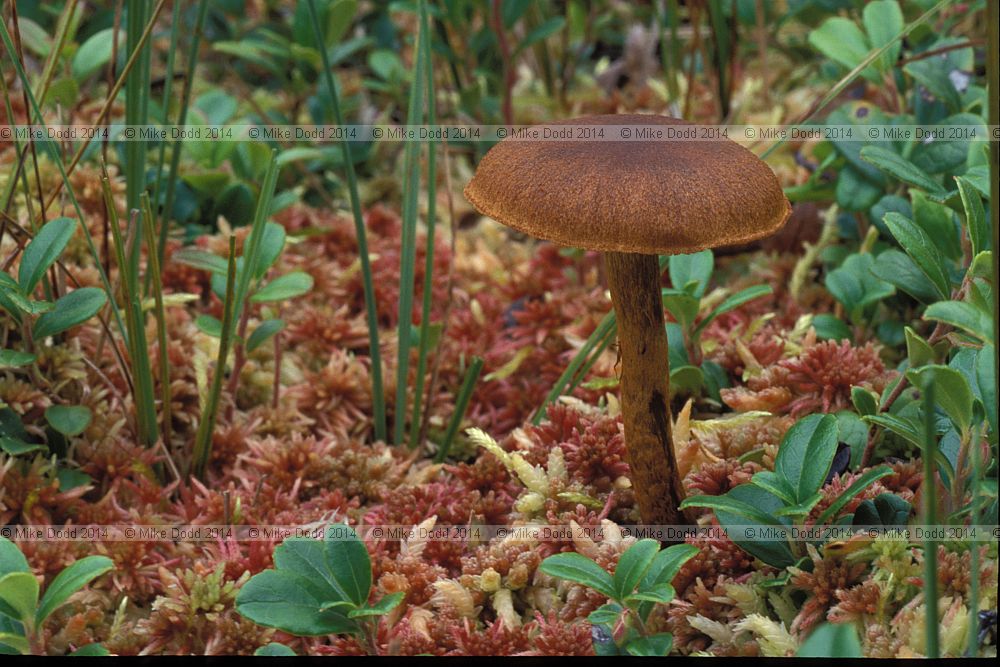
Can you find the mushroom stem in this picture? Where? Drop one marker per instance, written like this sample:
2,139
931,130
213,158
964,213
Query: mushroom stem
634,280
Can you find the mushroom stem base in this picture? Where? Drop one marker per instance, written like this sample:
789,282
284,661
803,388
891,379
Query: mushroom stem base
645,385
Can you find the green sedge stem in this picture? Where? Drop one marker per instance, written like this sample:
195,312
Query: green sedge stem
408,242
461,405
368,285
425,307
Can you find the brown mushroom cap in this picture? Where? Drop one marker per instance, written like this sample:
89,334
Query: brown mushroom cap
649,197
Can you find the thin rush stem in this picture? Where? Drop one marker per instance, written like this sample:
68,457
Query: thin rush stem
368,285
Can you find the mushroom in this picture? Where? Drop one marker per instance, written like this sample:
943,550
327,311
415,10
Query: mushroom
633,200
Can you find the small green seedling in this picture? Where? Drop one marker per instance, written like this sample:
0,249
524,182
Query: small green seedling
784,497
22,613
690,275
317,587
641,581
40,318
279,288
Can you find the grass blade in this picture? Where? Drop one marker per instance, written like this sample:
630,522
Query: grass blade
206,427
142,381
425,306
175,156
461,405
371,311
408,242
136,107
237,291
175,19
156,285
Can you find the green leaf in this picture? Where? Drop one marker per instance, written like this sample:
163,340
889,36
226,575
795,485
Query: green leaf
33,37
69,581
952,392
651,645
921,249
336,604
94,53
541,32
18,447
271,245
886,509
299,153
19,592
69,420
72,309
918,351
274,650
855,285
900,168
348,561
801,509
14,644
208,325
632,566
774,483
380,608
964,316
664,568
661,595
734,301
284,600
975,215
306,558
830,327
897,268
12,299
236,204
982,265
904,427
831,640
734,506
11,558
866,479
579,569
15,359
263,333
883,20
70,479
201,259
694,268
666,565
339,16
681,305
43,251
865,402
986,378
855,191
934,73
90,651
686,379
283,287
606,614
939,222
854,433
840,40
806,454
